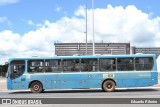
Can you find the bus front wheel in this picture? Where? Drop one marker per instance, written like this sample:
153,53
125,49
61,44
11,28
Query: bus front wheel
108,86
36,87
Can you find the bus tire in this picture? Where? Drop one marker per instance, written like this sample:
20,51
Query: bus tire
108,86
36,87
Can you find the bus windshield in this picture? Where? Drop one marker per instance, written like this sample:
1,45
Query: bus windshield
17,68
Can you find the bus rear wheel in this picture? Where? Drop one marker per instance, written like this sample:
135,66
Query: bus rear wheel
108,86
36,87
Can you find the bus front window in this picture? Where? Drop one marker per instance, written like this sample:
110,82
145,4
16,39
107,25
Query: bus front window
17,68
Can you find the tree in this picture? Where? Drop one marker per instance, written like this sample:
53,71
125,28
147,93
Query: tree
3,69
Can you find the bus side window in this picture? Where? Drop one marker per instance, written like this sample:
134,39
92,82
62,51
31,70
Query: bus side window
143,64
89,64
35,66
53,65
125,64
107,64
71,65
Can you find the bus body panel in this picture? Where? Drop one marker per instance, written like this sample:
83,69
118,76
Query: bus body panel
77,80
121,79
140,78
95,79
154,77
9,83
69,81
50,81
16,83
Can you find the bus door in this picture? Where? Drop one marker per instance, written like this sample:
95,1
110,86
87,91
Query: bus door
71,76
17,68
36,71
52,68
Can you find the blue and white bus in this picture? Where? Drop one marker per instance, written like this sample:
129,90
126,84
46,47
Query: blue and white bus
74,72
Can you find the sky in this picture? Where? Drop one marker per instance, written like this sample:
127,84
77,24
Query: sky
31,27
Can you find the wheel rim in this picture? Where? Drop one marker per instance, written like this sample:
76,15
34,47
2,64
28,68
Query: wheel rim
109,86
36,87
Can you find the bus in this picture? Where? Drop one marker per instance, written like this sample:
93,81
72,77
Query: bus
82,72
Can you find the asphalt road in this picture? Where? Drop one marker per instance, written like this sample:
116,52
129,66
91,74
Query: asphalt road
148,92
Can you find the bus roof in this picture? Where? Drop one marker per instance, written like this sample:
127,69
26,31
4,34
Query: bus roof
85,57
